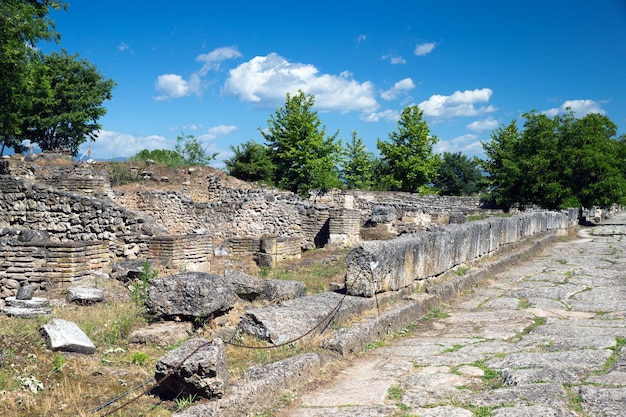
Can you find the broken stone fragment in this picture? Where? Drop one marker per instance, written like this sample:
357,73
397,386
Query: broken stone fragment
85,295
67,336
196,368
26,292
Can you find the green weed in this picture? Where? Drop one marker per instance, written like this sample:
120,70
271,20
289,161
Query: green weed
395,393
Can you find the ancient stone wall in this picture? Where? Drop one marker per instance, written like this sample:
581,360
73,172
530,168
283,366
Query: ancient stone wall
72,217
378,266
182,253
41,262
234,213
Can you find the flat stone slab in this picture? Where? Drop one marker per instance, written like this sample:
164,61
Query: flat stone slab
291,319
35,302
67,336
161,334
25,312
85,295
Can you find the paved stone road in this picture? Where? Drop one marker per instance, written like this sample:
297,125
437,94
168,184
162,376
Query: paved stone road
545,338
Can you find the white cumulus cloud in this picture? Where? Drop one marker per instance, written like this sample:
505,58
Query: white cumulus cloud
219,130
481,125
581,108
174,86
110,144
399,88
388,115
424,48
265,81
460,103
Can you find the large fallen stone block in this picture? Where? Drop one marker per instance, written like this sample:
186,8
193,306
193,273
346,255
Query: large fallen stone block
196,368
272,290
261,389
67,336
289,320
190,295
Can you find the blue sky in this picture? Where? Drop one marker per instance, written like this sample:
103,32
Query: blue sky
219,70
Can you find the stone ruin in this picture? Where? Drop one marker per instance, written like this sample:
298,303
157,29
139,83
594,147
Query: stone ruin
61,221
67,223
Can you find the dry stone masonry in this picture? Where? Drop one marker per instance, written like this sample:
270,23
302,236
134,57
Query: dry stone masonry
378,266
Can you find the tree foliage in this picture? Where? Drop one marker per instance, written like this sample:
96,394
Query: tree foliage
22,24
556,162
358,165
192,151
458,175
408,156
66,96
251,162
303,156
188,151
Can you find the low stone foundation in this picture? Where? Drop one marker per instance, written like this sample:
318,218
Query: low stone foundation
43,263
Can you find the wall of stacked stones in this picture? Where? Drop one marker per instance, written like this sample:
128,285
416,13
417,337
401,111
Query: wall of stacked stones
234,213
67,216
378,266
42,263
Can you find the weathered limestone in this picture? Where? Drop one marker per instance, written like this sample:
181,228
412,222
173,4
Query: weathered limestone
262,388
189,296
291,319
81,295
33,307
196,368
268,290
67,336
378,266
161,334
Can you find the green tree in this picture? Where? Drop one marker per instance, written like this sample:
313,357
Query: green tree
66,96
458,175
22,24
409,153
192,151
556,162
251,162
304,157
358,166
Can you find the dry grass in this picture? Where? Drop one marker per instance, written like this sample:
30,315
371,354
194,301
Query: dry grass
74,384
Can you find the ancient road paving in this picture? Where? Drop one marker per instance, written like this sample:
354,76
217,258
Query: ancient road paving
545,338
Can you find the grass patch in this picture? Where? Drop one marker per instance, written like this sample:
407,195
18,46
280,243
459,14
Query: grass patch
620,342
436,313
523,303
395,393
491,379
574,400
316,275
537,321
461,270
452,348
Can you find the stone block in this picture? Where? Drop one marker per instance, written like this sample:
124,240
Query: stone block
85,295
190,295
161,334
197,368
67,336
